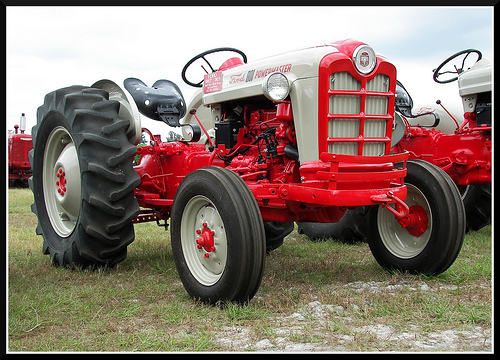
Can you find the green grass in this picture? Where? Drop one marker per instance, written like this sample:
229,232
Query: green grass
141,305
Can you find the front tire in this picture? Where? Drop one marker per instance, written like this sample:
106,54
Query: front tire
83,179
218,238
431,244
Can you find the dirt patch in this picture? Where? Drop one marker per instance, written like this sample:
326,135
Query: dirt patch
321,327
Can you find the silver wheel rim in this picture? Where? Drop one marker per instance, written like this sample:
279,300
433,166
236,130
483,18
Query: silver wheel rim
199,214
397,240
61,181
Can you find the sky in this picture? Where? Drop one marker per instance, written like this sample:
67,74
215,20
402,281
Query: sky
53,47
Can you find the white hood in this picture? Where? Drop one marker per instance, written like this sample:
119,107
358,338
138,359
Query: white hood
246,80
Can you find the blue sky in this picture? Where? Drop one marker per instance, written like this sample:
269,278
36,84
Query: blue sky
52,47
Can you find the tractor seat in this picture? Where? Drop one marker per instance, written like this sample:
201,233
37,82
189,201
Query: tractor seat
231,63
163,101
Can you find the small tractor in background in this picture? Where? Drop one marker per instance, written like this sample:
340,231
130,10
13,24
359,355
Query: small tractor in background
19,146
465,155
299,137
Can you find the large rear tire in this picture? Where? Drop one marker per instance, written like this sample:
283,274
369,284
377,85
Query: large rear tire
434,239
275,233
477,202
218,238
349,230
83,180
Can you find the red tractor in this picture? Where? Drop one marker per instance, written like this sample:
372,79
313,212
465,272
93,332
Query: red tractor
19,145
465,154
301,136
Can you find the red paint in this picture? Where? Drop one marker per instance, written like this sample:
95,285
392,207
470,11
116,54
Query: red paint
465,155
264,157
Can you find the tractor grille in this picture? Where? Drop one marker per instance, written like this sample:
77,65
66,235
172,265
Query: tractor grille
358,118
18,155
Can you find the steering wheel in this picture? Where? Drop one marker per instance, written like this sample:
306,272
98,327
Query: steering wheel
457,71
202,56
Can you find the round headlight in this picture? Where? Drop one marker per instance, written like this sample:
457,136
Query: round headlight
364,59
276,86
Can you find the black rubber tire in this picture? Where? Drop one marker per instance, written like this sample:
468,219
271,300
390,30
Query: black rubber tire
446,228
107,206
349,230
227,195
477,202
275,233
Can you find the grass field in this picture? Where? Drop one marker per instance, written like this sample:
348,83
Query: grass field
322,296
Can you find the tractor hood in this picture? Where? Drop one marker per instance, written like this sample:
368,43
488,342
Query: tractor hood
246,80
475,80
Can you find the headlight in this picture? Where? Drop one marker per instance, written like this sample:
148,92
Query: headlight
276,86
365,59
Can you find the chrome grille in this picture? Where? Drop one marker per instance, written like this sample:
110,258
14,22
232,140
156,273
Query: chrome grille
356,126
341,128
378,83
344,81
345,104
376,105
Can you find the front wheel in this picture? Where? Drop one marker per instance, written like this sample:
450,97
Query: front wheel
432,240
218,238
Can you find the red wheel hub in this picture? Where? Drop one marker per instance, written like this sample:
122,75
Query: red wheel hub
206,239
61,182
416,222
